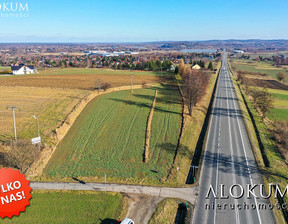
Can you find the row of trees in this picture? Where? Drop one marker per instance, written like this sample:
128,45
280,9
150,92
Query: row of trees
261,98
195,83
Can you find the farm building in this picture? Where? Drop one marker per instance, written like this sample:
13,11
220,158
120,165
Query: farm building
22,69
197,67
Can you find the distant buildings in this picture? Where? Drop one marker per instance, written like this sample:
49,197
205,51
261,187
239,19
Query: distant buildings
22,69
238,52
109,54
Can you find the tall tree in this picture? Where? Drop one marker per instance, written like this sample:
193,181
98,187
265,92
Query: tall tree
181,67
210,66
195,84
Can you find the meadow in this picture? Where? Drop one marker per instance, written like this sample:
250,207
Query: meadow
51,106
255,66
108,138
279,111
72,207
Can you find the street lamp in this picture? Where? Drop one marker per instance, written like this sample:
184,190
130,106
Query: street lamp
14,119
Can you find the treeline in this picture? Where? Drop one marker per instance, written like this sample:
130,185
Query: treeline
261,98
195,83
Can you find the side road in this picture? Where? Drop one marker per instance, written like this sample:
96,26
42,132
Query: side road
187,194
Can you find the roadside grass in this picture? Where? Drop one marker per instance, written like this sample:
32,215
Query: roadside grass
72,207
191,133
168,211
108,138
277,172
51,106
254,66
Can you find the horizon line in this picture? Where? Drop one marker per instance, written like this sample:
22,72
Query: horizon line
129,42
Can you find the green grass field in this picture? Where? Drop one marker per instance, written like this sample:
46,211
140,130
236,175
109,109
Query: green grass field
109,135
71,207
96,71
254,66
280,110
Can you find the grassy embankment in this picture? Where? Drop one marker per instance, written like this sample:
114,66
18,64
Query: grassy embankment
72,207
109,136
167,211
277,171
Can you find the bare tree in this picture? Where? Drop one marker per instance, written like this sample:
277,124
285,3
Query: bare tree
195,84
281,76
263,100
21,155
99,84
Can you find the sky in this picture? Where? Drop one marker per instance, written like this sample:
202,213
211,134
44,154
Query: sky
141,21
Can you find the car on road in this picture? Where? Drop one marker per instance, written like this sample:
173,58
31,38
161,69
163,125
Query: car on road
127,221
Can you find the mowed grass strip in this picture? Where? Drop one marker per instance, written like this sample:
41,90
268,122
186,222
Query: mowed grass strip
108,137
71,207
51,106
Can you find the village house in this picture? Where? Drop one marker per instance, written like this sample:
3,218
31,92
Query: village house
197,67
22,69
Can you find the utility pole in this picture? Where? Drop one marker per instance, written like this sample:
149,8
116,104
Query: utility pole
38,130
132,83
161,67
14,120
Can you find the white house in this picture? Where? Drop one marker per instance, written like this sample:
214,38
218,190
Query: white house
23,69
197,67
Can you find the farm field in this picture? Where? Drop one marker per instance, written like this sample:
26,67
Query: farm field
79,81
50,105
71,207
108,137
97,71
254,66
264,54
280,110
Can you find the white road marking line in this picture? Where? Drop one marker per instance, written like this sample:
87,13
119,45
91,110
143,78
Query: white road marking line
247,163
231,149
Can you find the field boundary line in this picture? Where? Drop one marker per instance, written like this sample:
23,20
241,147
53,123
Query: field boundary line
146,156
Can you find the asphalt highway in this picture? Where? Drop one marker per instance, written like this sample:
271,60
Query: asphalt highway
229,161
